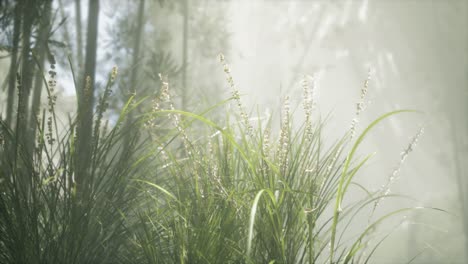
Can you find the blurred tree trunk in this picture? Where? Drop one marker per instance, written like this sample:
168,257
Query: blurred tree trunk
85,95
79,44
40,53
79,38
185,54
135,68
13,63
136,48
27,71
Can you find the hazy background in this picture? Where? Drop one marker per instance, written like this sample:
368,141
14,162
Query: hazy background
416,51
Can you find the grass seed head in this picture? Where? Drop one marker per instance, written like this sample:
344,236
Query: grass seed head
236,95
394,176
360,105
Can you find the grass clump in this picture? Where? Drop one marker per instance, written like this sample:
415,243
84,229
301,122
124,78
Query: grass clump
49,212
177,187
244,193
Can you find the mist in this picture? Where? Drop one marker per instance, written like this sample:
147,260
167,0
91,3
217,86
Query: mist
336,66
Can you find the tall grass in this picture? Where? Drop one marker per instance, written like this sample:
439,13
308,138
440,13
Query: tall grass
186,189
46,217
244,193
